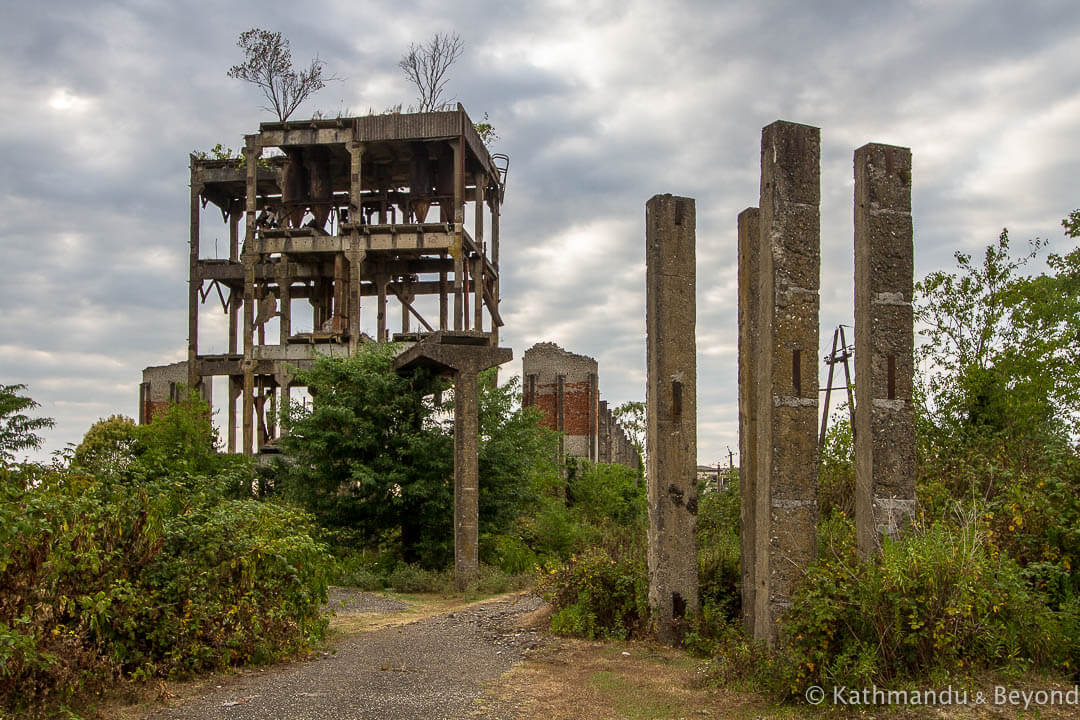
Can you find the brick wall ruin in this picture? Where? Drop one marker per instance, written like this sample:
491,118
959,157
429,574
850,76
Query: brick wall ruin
162,385
565,386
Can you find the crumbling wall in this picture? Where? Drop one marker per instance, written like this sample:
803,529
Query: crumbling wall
164,384
564,386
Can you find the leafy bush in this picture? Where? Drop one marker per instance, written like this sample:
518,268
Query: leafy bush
719,574
597,595
509,553
937,603
408,578
146,571
836,470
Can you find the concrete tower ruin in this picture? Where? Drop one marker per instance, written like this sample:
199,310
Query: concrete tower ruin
345,215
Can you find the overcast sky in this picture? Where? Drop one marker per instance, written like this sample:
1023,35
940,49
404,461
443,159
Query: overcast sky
600,105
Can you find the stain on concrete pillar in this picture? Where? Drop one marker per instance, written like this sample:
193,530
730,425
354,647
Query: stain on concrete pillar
884,340
785,506
671,401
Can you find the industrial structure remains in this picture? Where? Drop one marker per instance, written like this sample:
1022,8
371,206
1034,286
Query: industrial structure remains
884,345
342,210
337,213
346,213
565,387
779,278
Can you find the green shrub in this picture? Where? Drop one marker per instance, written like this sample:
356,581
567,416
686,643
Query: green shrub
510,554
491,580
145,571
406,578
551,532
597,595
719,575
938,603
836,470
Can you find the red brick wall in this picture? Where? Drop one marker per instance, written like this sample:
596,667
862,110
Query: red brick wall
579,409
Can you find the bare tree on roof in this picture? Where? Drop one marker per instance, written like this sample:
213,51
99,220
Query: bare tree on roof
426,65
268,65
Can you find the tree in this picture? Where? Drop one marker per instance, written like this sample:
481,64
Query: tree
372,458
426,66
108,446
632,417
978,374
18,431
268,65
369,458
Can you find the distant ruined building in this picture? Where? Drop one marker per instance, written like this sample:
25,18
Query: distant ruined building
565,386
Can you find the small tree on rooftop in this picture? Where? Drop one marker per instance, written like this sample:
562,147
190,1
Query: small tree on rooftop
268,65
426,66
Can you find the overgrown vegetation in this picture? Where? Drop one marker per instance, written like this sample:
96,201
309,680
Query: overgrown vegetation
144,555
986,578
372,459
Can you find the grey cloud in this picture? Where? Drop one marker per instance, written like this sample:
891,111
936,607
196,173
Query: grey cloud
673,102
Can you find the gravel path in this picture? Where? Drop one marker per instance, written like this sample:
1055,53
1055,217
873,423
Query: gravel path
427,670
345,601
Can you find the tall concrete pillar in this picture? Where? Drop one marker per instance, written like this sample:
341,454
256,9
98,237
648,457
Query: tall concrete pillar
884,417
749,353
671,404
785,512
466,473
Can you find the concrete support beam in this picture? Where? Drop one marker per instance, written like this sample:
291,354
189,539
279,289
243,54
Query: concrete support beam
457,248
194,285
785,508
495,263
461,355
252,151
671,399
884,342
749,352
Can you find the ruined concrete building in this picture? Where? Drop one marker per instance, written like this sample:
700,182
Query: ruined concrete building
327,221
565,386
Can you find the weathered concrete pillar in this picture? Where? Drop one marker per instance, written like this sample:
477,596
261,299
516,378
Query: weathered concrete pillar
466,474
785,512
671,401
749,353
884,417
461,355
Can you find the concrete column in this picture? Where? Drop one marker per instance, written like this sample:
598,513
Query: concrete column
671,399
194,285
356,264
252,150
461,355
466,474
785,508
884,365
749,353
